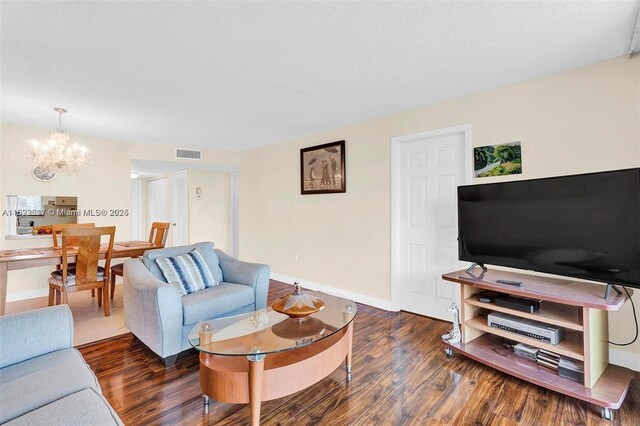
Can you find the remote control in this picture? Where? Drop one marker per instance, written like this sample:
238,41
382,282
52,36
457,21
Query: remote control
510,282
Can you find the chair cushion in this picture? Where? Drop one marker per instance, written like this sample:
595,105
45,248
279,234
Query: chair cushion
187,272
71,276
86,407
215,301
34,383
205,249
118,269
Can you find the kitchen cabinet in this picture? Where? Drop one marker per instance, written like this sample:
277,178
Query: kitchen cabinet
66,201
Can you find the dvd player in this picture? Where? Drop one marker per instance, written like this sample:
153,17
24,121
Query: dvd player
526,327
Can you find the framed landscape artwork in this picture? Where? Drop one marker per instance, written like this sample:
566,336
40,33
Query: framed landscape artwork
497,160
322,169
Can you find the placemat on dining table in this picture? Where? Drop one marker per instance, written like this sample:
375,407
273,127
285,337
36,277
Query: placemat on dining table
134,243
7,253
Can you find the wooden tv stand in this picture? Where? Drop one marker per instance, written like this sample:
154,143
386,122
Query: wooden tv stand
577,306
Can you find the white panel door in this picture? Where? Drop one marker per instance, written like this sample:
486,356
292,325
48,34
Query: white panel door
432,168
158,201
180,208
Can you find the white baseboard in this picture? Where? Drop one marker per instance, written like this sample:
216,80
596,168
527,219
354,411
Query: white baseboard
360,298
30,294
624,359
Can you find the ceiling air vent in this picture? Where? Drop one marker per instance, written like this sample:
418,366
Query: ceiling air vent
189,154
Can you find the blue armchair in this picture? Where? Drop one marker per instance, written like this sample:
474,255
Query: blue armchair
156,313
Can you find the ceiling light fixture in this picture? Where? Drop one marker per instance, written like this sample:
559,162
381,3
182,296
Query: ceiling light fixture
55,156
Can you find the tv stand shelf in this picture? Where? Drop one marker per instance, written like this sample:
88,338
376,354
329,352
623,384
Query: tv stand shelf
550,312
578,307
570,347
563,291
609,391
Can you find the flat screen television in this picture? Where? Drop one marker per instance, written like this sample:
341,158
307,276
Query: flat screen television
584,226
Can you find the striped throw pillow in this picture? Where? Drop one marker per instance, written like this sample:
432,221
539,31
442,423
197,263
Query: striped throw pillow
188,272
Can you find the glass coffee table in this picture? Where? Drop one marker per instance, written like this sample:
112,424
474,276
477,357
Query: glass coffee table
247,360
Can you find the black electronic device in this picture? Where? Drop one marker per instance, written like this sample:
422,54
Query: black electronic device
487,296
522,304
584,226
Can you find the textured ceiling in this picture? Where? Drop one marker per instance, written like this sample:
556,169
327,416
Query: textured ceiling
236,75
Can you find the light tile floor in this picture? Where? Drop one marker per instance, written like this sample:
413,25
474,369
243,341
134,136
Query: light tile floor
89,322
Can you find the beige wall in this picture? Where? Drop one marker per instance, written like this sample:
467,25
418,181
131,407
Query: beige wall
578,121
210,216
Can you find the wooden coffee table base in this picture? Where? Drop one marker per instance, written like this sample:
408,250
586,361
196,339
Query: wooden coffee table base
235,379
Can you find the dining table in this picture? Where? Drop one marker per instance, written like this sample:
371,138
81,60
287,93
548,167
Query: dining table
14,259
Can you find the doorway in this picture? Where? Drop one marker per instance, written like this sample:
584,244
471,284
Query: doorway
199,200
426,171
137,223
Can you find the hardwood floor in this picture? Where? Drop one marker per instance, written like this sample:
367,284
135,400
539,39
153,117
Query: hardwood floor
400,376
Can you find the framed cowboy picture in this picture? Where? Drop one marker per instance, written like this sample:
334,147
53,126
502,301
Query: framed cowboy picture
322,169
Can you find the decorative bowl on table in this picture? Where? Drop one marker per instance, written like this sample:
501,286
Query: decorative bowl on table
298,304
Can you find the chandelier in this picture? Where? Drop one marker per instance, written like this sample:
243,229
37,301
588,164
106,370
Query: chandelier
55,156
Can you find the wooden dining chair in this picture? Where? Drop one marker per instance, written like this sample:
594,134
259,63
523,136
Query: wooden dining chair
85,274
57,228
157,236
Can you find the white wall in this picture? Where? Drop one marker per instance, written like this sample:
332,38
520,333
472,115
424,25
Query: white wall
578,121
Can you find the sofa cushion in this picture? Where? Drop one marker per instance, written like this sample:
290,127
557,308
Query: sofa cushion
31,384
86,407
187,272
215,301
205,249
29,334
